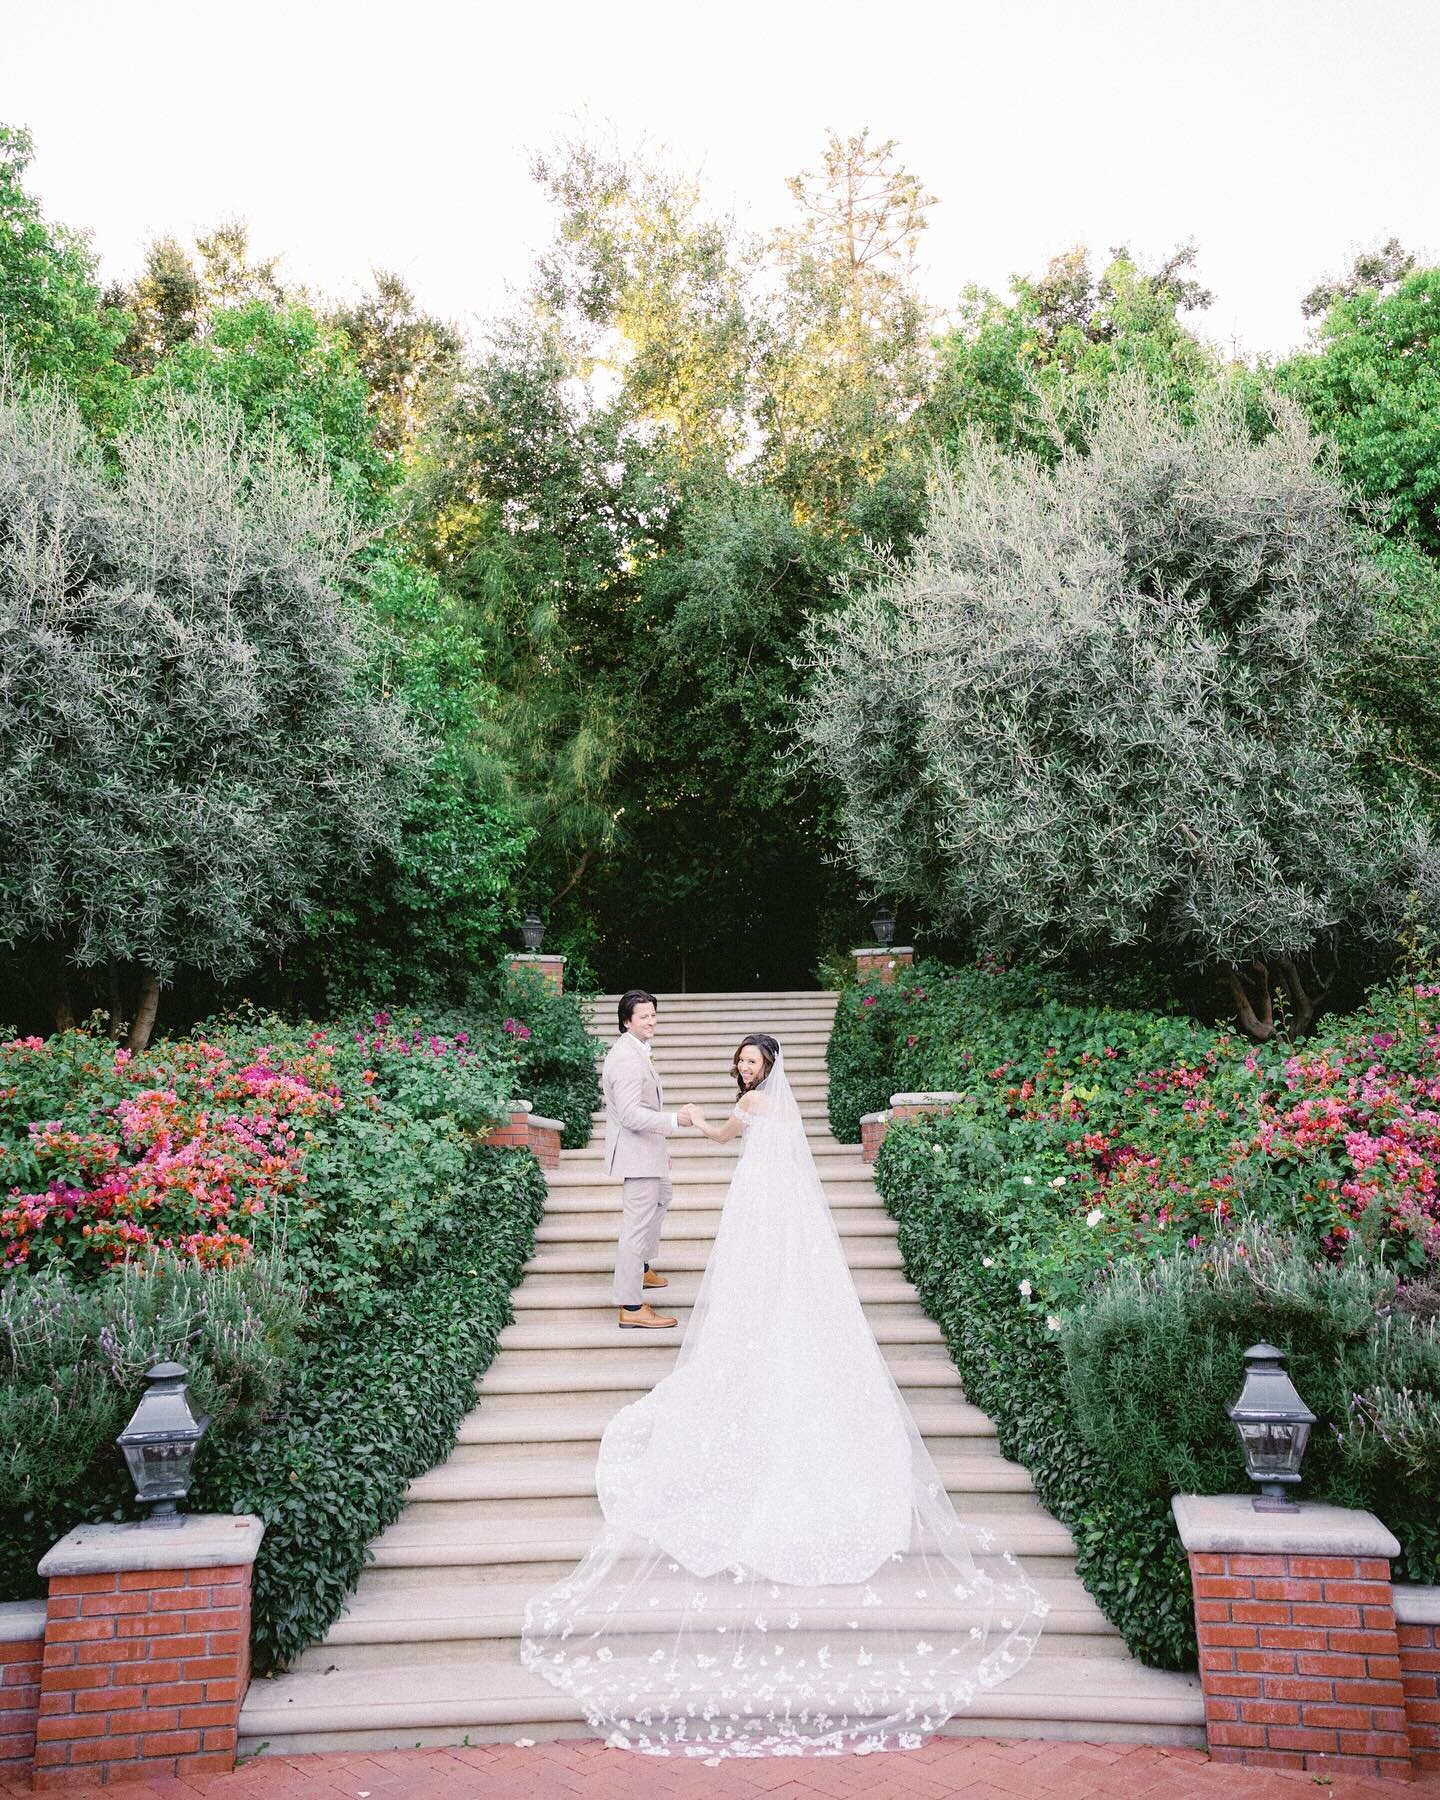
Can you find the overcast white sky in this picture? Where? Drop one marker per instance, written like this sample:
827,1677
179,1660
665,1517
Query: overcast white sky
1283,134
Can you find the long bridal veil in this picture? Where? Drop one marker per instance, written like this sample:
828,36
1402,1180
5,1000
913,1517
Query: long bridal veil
779,1569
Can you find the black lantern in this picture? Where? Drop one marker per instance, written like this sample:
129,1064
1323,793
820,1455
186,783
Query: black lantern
160,1442
532,930
883,925
1273,1423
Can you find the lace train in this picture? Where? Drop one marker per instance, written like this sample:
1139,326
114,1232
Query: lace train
780,1569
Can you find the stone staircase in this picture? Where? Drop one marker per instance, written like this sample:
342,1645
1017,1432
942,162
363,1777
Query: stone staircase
427,1650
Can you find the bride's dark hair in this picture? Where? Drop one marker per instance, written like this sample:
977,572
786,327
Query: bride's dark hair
769,1049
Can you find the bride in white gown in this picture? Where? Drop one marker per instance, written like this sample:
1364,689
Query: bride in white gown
779,1570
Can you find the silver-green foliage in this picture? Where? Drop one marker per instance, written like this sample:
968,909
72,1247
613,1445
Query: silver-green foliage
1097,706
73,1360
188,736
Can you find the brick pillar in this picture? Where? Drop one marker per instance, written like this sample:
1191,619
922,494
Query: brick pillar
147,1650
513,1131
22,1650
544,1143
877,964
873,1127
550,969
1417,1614
1299,1656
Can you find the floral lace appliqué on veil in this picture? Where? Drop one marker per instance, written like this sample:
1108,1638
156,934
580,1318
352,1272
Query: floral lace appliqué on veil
779,1570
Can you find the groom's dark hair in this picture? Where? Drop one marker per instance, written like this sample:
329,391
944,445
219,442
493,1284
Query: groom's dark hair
630,1000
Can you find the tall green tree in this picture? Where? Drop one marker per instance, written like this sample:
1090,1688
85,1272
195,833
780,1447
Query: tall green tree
189,743
643,282
285,369
1027,371
409,360
1372,383
1101,707
54,322
844,363
1378,271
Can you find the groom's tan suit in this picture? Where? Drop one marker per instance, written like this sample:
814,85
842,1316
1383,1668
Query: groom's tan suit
636,1127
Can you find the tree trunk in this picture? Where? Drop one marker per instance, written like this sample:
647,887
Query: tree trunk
145,1009
1302,1007
64,1011
1258,1026
117,1005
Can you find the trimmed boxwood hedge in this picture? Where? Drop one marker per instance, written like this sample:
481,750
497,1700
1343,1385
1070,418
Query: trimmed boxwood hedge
376,1401
1127,1551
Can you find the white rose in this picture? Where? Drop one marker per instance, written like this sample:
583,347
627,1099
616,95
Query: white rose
1052,1321
1059,1181
1028,1180
987,1262
938,1149
1025,1290
1093,1217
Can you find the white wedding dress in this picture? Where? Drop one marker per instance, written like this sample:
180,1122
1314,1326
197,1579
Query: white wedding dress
779,1570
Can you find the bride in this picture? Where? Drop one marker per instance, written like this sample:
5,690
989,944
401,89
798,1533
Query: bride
779,1570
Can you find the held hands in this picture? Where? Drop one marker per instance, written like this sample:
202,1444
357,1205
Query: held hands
690,1115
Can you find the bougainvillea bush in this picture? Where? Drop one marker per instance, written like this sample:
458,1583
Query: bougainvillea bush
1168,1129
1081,1214
346,1147
309,1219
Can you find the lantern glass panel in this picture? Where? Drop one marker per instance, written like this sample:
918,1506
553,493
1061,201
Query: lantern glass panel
1273,1447
532,930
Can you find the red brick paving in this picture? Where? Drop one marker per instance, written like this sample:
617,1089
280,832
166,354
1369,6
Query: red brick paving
972,1768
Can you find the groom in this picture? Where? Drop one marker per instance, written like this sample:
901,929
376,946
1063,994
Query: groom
636,1127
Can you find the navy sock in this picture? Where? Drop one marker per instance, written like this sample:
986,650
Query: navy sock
634,1308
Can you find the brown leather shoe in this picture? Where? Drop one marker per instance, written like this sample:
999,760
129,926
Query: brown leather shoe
654,1280
646,1319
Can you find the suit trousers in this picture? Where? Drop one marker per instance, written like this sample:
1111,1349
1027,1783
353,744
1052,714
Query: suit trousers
644,1201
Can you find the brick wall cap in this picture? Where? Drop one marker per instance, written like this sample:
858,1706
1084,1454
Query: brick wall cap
1211,1522
542,956
942,1099
547,1124
880,1118
1417,1605
198,1541
21,1620
880,950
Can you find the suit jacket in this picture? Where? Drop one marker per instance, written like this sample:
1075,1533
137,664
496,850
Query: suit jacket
636,1122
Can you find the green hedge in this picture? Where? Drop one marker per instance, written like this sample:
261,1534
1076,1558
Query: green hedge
372,1396
1121,1202
1127,1552
376,1401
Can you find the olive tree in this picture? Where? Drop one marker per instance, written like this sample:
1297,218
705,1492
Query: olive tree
190,734
1097,708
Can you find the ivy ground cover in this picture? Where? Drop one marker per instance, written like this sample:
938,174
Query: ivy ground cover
1120,1202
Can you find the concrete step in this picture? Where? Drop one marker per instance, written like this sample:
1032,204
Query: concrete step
834,1171
574,1228
690,1146
448,1617
690,1254
699,1190
542,1293
633,1361
596,1328
534,1419
689,1171
1093,1699
531,1472
710,1006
